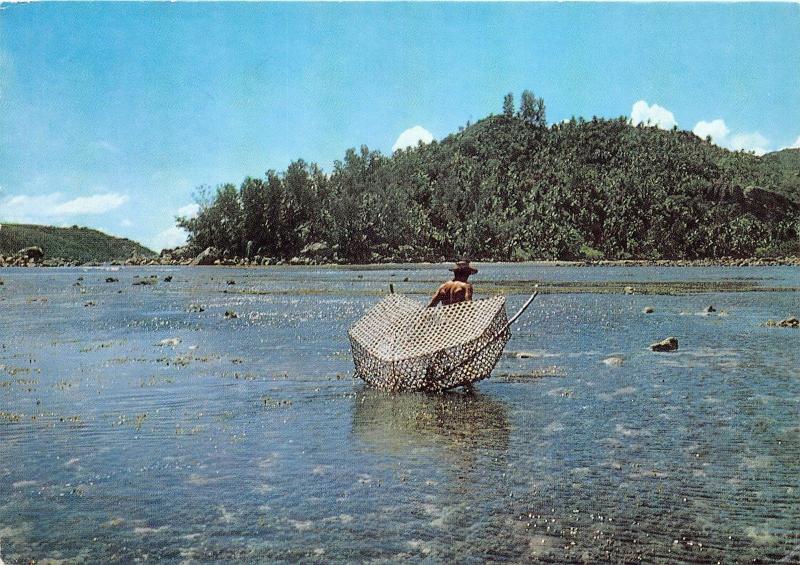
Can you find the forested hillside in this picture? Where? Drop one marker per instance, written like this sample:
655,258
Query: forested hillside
71,244
511,188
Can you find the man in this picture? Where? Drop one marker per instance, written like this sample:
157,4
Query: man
456,290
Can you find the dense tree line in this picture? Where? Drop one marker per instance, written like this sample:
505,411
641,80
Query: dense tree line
511,188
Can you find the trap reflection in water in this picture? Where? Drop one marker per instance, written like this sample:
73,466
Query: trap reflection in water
458,423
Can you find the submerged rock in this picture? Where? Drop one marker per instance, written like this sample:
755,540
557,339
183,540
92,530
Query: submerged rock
790,322
614,361
230,314
668,344
709,309
648,310
169,342
168,278
112,279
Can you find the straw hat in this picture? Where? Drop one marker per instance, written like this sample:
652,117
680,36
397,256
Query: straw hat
463,267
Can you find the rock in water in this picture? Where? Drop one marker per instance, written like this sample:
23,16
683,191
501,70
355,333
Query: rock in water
648,310
787,323
709,309
614,361
169,342
629,290
669,344
112,279
207,256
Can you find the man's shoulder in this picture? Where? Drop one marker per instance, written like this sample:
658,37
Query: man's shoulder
455,284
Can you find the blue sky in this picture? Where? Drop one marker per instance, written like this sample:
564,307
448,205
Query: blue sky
112,114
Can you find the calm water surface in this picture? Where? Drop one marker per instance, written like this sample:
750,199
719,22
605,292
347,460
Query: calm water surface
247,438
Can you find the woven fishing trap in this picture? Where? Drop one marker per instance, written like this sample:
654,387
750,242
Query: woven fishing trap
400,344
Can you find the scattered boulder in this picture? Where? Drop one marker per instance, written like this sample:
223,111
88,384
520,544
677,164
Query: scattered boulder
168,278
112,279
790,322
648,310
614,361
146,282
230,314
668,344
177,253
709,309
90,303
169,342
316,248
209,256
230,281
629,290
195,308
33,253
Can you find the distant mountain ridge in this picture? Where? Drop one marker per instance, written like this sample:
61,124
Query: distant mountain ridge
72,244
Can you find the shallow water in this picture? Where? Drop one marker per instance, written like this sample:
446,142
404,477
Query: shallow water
248,439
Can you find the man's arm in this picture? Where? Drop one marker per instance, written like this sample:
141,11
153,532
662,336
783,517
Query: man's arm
436,298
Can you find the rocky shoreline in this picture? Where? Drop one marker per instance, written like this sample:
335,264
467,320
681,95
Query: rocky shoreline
34,257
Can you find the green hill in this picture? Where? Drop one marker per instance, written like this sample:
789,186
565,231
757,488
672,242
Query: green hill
73,244
784,165
512,188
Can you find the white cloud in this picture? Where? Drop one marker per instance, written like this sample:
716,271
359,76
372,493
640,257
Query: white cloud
125,222
53,207
754,142
654,115
796,144
411,137
96,204
715,128
721,135
169,238
189,211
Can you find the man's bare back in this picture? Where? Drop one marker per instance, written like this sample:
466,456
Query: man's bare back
452,292
456,290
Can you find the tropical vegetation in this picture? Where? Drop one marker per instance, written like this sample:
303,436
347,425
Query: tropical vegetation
510,187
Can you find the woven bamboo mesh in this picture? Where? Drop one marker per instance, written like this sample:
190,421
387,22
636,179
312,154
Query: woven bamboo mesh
402,345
